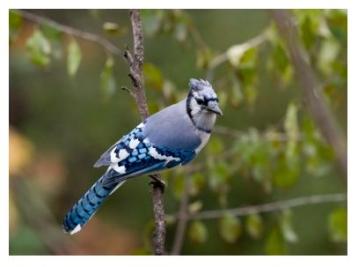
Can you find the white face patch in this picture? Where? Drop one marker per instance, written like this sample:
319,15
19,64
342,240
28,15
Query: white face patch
195,107
133,143
122,154
196,95
76,229
119,169
154,153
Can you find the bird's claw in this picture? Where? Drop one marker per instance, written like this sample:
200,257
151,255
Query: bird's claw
156,182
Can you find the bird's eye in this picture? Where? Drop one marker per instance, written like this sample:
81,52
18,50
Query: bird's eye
199,101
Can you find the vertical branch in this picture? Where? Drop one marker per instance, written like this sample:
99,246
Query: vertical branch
311,90
135,62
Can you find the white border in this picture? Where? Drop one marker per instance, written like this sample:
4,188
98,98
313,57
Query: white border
162,4
188,260
4,132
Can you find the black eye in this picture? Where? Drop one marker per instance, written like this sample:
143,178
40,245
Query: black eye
199,101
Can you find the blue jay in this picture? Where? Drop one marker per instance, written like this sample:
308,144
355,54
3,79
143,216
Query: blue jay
170,137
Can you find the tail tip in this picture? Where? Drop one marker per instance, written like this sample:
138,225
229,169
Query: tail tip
74,230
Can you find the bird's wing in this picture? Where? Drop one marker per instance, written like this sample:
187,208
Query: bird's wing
135,154
113,155
170,129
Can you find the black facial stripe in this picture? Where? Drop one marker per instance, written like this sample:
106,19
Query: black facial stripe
212,99
188,108
201,101
205,101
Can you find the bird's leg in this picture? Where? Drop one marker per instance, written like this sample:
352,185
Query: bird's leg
157,182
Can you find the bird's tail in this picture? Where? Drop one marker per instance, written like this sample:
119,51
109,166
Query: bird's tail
88,204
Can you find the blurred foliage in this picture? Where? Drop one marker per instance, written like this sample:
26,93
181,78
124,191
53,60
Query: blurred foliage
66,108
73,57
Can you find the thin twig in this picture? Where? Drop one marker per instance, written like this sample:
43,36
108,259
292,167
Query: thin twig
110,47
312,92
182,220
272,206
135,63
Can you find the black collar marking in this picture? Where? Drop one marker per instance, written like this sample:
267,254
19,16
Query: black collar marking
188,111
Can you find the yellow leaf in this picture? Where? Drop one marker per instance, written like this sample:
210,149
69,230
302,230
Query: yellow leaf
21,152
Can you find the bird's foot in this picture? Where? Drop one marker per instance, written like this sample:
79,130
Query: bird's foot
157,182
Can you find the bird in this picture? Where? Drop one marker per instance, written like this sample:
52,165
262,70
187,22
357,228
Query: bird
171,137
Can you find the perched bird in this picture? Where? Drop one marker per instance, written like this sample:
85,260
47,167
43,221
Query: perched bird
170,137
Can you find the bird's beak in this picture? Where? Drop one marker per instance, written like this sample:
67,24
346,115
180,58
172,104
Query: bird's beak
215,108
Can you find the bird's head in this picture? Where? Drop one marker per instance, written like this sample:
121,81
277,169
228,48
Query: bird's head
202,105
202,98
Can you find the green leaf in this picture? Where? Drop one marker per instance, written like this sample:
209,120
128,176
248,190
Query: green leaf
230,228
15,23
286,174
114,29
198,232
153,76
203,57
39,49
286,227
152,20
241,54
73,57
219,176
108,84
279,63
274,244
309,28
338,225
181,32
50,32
110,27
195,207
291,128
337,22
15,20
249,58
254,225
327,55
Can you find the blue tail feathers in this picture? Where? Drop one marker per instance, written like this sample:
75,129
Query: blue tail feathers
88,204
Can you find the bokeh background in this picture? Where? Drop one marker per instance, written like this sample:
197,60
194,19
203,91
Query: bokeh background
69,102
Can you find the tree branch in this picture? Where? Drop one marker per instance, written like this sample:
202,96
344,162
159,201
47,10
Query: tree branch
135,62
269,207
71,31
311,90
